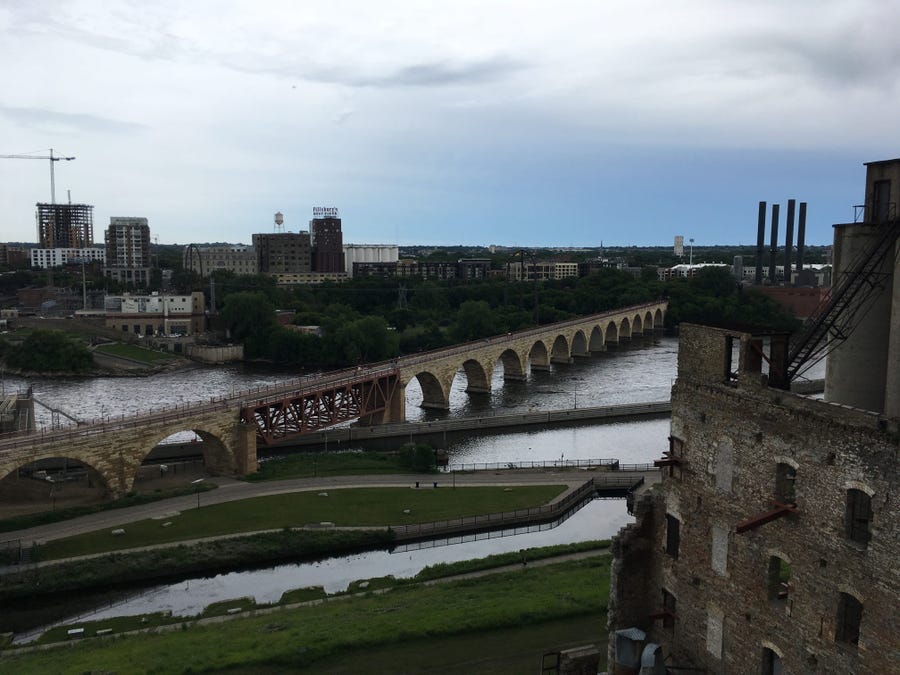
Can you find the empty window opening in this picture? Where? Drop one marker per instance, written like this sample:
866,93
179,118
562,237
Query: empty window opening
785,481
779,581
859,517
771,662
669,606
848,619
673,535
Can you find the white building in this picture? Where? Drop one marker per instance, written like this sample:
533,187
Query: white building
155,314
369,253
45,258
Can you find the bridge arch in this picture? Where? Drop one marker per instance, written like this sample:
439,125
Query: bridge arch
648,321
637,325
513,365
50,480
580,344
539,356
612,334
625,329
596,343
478,376
435,394
658,319
560,350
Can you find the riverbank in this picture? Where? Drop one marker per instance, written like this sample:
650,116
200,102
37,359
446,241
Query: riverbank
310,635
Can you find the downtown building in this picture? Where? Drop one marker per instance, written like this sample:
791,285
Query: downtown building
128,251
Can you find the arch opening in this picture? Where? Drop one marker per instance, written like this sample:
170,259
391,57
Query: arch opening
180,458
49,484
596,342
580,344
477,378
513,366
612,335
539,357
433,394
560,350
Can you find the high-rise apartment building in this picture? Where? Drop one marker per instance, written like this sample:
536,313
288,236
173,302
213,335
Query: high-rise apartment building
65,225
128,251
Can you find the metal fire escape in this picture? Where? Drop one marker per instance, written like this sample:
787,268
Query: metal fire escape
851,296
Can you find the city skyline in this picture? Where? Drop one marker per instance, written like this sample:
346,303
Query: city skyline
628,123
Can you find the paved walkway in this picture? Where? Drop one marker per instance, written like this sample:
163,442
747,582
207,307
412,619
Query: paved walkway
233,490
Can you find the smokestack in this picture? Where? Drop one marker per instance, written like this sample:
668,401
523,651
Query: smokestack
801,235
760,243
774,242
789,241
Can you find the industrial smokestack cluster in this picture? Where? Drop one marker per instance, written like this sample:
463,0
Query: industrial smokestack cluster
773,240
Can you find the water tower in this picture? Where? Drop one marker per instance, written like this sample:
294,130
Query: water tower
279,221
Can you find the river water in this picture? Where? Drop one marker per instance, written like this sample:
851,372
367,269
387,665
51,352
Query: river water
640,371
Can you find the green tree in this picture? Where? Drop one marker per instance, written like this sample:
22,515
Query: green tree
474,320
49,351
251,319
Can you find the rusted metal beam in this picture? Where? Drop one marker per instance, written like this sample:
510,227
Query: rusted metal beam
780,511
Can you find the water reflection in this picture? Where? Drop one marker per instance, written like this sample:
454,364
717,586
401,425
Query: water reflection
599,519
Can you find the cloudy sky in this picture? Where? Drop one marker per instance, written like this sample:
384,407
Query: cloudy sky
511,122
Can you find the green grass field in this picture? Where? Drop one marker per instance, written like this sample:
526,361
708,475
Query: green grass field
315,637
361,507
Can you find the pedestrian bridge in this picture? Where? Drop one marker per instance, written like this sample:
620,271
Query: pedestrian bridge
232,426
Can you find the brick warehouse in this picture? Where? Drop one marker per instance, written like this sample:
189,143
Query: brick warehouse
771,545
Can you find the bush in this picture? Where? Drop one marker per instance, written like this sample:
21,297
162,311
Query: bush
418,456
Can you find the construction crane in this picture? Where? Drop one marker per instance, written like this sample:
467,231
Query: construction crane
53,158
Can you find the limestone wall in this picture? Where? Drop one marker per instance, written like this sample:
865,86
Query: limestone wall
730,441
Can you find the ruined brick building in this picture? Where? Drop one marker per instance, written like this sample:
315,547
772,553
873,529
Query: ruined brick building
771,545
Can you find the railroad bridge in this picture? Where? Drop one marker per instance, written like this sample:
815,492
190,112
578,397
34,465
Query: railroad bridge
232,426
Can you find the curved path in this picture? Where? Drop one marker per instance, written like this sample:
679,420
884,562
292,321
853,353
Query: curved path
234,490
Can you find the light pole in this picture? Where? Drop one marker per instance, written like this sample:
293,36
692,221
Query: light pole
196,484
691,258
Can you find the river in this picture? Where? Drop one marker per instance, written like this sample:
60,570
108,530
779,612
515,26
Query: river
640,371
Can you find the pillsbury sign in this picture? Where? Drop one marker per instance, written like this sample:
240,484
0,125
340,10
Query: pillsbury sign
325,212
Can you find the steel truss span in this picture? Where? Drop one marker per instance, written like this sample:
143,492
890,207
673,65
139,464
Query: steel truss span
279,419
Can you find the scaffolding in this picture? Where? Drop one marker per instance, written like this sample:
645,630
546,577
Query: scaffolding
65,225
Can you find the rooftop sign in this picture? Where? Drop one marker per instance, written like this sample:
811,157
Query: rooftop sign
326,212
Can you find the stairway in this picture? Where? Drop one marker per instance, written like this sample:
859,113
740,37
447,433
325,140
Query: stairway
835,317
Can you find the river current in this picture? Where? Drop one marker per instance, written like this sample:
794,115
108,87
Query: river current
640,371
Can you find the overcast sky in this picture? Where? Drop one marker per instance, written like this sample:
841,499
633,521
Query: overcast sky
466,122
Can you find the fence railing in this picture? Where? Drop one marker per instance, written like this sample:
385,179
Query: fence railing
584,493
608,464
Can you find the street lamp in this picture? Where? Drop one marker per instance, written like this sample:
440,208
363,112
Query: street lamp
196,484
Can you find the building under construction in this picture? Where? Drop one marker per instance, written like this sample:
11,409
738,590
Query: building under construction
65,225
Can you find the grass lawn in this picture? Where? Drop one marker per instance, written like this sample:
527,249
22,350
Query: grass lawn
135,353
317,637
348,507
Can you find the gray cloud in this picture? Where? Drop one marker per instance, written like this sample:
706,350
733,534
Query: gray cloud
42,119
860,52
437,73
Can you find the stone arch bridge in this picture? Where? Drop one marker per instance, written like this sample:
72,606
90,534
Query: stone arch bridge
232,426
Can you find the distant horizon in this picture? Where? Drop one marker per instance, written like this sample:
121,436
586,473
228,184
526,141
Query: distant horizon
532,125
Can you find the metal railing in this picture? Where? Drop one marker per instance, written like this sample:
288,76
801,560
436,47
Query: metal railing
607,464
